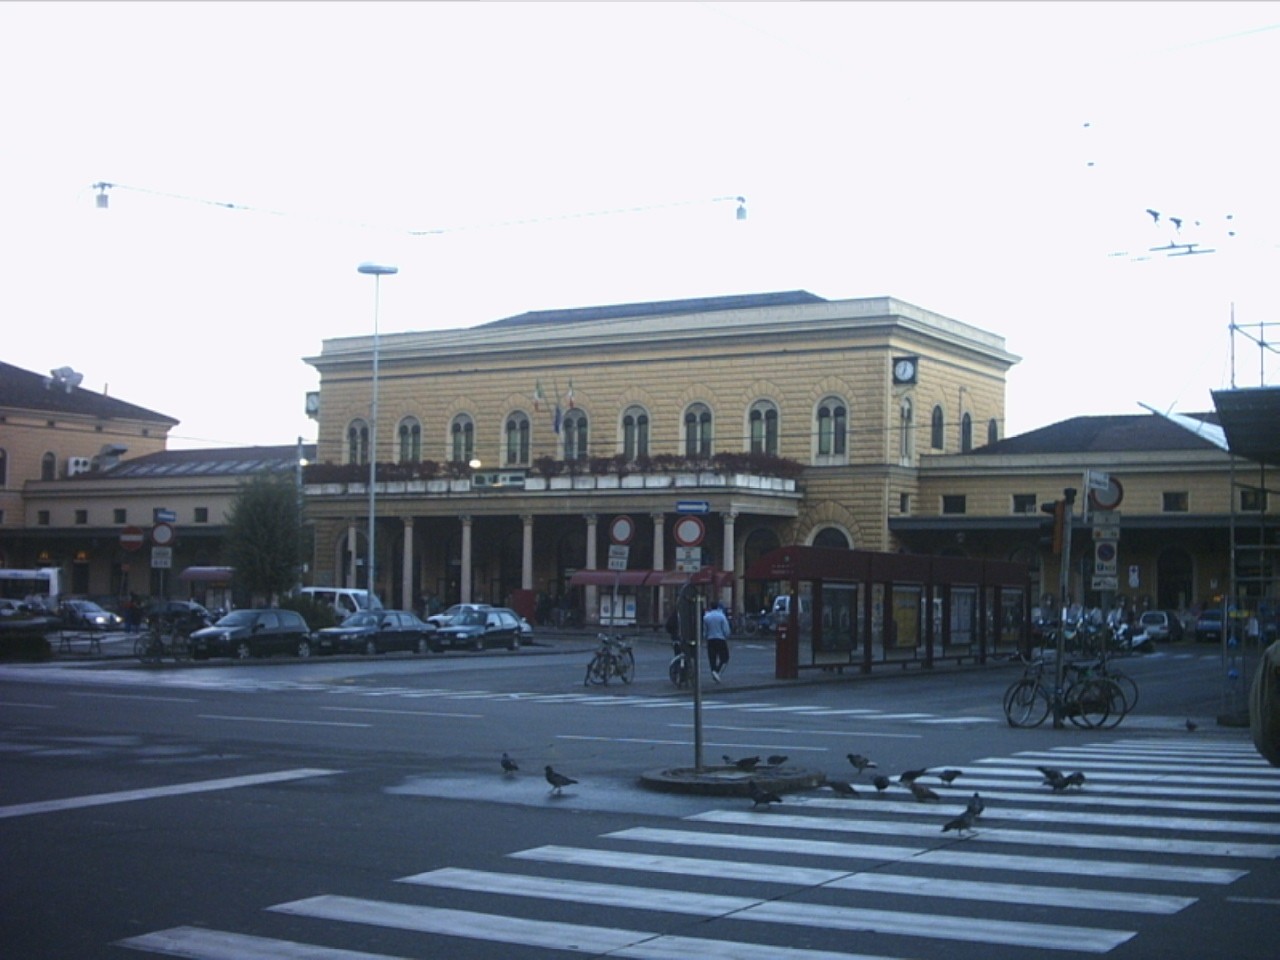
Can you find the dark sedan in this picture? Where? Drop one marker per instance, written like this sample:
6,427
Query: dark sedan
376,631
478,629
253,633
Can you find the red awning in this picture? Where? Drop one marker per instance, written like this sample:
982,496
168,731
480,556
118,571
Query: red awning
647,578
206,574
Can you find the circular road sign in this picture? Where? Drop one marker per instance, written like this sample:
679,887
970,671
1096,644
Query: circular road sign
1109,498
132,538
689,531
622,529
162,535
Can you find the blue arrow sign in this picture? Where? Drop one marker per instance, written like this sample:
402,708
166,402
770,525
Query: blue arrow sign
693,506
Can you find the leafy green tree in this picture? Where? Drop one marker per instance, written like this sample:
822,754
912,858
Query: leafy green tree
264,535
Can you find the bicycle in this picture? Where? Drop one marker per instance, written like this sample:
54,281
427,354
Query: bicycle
162,639
1088,699
680,670
613,658
1100,698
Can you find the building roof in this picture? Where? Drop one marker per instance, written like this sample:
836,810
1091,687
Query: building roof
224,462
659,308
1250,417
1121,433
23,390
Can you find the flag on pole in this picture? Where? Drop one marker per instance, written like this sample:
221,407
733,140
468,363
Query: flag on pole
557,418
538,395
569,398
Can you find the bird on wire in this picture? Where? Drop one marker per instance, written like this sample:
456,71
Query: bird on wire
761,796
976,805
558,780
842,788
946,776
881,783
921,792
961,824
859,762
776,759
910,776
509,766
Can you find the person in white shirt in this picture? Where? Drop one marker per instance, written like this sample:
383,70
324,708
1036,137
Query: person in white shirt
715,630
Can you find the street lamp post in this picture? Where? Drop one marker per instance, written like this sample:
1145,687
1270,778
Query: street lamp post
377,271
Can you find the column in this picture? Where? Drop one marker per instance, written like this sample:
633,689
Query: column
526,553
591,613
353,544
730,560
408,593
464,581
659,545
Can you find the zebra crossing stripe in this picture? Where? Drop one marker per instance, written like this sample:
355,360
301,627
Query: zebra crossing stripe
1086,841
1023,815
1094,800
1044,936
1118,768
877,882
546,934
1151,789
197,943
944,857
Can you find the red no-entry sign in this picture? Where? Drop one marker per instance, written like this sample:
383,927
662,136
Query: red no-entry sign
132,538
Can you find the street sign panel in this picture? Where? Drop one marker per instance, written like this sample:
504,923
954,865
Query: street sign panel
693,506
618,556
162,535
689,531
132,538
1106,583
165,516
161,558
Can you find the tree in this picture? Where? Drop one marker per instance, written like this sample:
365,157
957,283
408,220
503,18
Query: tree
264,535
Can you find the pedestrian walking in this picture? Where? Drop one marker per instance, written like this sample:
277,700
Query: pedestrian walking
715,630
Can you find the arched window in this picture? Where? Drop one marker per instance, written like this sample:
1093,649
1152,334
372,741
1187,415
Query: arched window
832,538
409,438
966,433
574,429
993,430
832,428
635,433
48,467
357,442
763,423
697,431
906,430
517,439
462,439
937,430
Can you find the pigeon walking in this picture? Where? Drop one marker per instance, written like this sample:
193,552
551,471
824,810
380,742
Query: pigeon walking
946,776
976,805
961,824
842,788
910,776
1191,725
745,763
777,759
881,783
509,765
859,762
557,780
1051,774
921,792
761,796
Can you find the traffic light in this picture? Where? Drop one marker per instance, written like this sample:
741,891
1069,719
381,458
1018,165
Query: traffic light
1058,509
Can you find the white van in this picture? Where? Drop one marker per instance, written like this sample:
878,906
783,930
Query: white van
780,613
344,600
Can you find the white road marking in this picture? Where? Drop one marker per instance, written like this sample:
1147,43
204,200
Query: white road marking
131,696
682,866
407,713
151,793
197,943
282,720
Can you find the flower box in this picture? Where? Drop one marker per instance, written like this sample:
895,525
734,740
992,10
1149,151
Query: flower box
607,481
633,481
535,483
437,486
460,486
561,483
657,480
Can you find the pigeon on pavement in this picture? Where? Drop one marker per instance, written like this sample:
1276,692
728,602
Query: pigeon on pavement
946,776
976,805
881,783
761,796
1191,725
842,788
909,776
859,762
508,765
960,824
558,780
746,763
777,760
921,792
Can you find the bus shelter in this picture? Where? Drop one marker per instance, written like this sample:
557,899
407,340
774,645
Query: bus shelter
858,608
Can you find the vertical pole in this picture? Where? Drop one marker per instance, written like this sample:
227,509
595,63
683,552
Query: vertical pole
373,451
1064,584
698,610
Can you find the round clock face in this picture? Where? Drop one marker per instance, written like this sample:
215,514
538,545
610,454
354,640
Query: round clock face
904,370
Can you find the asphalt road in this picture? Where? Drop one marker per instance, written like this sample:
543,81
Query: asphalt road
355,808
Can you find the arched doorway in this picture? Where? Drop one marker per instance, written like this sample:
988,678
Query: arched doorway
1173,579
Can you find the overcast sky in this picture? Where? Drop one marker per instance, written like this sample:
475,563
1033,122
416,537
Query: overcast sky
990,162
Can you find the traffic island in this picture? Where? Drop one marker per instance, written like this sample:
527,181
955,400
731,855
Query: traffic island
727,780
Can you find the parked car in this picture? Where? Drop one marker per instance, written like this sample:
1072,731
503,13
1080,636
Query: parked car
1208,627
1160,625
12,608
87,615
344,600
446,616
184,615
376,631
478,629
253,633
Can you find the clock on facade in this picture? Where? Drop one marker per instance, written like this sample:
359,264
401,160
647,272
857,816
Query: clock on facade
904,370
